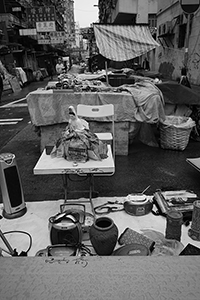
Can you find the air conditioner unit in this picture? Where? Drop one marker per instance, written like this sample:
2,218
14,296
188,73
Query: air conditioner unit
160,29
168,27
163,26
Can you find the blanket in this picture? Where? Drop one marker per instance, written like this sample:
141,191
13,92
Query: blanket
148,101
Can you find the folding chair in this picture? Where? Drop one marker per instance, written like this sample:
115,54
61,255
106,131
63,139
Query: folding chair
95,112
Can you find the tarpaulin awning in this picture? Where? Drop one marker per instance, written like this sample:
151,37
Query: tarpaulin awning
123,42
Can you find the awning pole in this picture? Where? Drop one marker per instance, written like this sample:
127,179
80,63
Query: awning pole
106,68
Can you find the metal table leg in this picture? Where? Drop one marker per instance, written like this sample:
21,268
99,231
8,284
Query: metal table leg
65,185
91,183
91,191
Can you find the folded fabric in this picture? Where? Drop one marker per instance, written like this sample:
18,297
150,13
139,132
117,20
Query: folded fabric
130,236
80,146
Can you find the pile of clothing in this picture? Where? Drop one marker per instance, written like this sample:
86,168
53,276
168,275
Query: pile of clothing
77,143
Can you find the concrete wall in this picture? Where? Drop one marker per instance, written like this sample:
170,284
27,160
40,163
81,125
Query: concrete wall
152,6
127,6
170,58
167,55
164,4
142,12
194,51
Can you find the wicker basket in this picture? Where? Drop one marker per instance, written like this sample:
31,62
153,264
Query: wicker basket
175,132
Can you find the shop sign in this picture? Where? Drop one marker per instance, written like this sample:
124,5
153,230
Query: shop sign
44,42
57,37
45,26
31,31
40,14
16,9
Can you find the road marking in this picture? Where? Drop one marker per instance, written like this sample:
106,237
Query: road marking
15,103
10,121
18,105
7,120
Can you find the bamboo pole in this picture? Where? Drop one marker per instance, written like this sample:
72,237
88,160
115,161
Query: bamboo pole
106,68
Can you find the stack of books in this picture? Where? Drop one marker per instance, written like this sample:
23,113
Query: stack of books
181,201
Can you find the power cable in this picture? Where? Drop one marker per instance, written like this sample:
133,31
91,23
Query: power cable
23,253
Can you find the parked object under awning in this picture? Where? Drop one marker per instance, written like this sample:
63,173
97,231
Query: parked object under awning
4,50
123,42
176,93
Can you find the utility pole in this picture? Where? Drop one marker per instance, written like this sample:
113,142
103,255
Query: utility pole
4,5
187,40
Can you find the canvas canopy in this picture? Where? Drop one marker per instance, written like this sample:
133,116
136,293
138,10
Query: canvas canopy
123,42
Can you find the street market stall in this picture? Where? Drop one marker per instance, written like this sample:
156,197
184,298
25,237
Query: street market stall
142,103
49,110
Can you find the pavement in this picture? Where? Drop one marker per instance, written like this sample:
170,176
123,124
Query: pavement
144,166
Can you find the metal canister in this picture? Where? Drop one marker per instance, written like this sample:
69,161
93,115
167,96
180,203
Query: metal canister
174,224
194,231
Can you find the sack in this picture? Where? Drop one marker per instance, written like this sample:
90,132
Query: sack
76,150
79,146
71,147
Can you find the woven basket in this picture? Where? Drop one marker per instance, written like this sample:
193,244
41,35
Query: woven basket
175,136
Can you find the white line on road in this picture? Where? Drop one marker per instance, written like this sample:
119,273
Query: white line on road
18,105
7,120
13,104
8,123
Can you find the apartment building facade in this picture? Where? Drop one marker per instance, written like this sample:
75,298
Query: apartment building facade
29,50
69,23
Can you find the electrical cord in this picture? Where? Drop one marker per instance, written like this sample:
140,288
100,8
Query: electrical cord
79,246
77,180
23,253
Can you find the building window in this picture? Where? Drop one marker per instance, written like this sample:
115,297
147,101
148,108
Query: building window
152,20
182,34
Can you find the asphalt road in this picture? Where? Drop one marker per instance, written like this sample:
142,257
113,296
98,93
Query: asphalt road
144,166
14,115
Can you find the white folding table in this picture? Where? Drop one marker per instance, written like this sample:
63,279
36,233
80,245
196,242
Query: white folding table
47,165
